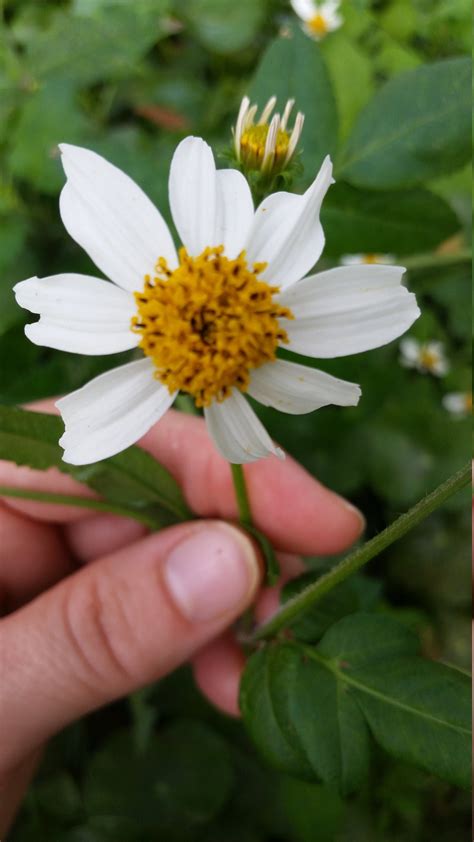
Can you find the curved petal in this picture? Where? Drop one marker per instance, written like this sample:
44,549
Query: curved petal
286,232
79,314
112,219
235,212
209,207
305,9
348,310
297,389
111,412
238,434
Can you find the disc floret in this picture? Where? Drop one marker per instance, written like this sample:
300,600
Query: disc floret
208,323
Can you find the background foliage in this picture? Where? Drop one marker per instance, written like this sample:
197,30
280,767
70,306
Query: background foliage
386,95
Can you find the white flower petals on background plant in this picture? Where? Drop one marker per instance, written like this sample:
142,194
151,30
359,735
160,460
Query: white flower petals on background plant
210,317
318,19
458,404
367,259
425,357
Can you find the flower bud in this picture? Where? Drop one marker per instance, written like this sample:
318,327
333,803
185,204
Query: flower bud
266,145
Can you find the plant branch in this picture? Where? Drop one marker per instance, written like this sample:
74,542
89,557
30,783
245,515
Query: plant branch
243,503
434,261
304,600
82,502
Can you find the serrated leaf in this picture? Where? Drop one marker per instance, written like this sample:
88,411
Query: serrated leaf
132,478
293,67
397,222
308,708
342,600
416,127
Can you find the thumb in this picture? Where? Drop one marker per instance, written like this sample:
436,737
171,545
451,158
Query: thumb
117,624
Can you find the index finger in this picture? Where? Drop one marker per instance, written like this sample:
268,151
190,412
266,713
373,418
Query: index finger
294,510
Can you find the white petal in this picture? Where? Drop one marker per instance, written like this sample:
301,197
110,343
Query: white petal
79,314
238,434
112,219
193,194
112,412
235,212
348,310
287,233
297,389
410,349
305,9
209,208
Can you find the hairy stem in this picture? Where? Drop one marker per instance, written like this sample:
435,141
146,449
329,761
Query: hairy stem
243,503
304,600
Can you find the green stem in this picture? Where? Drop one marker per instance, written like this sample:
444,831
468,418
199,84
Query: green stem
82,502
433,261
304,600
243,503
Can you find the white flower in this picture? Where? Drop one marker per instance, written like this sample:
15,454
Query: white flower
458,404
367,259
426,357
318,18
210,319
265,146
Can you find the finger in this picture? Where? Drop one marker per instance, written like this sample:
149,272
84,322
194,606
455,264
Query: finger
32,557
218,667
118,624
93,537
13,785
296,512
217,671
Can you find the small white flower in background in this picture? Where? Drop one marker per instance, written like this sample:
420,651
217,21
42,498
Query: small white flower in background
458,404
319,19
209,318
426,357
368,259
267,145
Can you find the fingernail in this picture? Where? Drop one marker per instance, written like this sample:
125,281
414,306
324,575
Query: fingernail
212,573
357,513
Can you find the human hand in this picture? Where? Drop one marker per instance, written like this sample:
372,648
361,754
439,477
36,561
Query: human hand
94,607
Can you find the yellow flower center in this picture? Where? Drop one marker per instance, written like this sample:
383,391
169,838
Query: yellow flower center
429,359
369,259
318,25
468,402
208,323
252,146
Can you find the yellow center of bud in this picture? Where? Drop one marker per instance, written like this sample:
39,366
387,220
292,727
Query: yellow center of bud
318,25
252,147
370,259
468,402
208,323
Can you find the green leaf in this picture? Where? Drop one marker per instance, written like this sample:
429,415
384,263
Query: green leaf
100,41
351,74
175,786
224,26
416,127
342,600
51,115
293,67
132,478
397,222
308,708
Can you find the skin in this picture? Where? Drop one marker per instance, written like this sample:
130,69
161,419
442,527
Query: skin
87,614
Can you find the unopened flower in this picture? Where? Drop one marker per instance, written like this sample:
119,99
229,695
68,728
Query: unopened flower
367,259
209,318
319,19
426,357
458,404
267,145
